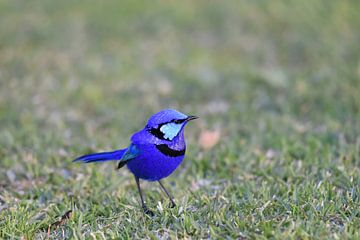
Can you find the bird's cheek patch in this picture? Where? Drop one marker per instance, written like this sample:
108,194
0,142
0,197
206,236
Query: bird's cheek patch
170,130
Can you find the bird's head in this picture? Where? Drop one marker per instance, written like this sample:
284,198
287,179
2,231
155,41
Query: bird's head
168,123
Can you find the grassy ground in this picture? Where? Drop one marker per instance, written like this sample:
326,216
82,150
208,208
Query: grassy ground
279,80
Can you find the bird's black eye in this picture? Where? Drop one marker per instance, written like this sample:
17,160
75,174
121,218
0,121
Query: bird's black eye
179,121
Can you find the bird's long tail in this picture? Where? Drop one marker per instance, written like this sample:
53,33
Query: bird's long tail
101,157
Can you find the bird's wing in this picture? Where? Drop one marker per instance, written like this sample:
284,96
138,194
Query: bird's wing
131,152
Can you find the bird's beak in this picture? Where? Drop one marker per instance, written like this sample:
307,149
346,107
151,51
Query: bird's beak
189,118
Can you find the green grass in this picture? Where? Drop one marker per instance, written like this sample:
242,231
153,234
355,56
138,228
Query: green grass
281,80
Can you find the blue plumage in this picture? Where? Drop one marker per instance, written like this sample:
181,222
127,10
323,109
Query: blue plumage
155,151
101,157
131,152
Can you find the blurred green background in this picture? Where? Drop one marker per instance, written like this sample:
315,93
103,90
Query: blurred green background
278,80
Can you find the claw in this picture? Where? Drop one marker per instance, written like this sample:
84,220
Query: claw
172,205
148,211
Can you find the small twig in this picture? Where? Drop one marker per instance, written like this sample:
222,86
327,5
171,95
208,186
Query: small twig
57,224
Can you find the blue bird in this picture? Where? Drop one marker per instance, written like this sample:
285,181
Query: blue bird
154,152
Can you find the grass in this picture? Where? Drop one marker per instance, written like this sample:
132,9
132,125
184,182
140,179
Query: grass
280,80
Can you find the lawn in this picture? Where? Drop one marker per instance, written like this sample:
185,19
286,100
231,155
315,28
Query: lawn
278,80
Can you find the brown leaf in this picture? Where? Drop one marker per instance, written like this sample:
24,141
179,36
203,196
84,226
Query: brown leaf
208,139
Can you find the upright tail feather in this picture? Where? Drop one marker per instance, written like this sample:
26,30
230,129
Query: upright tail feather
101,157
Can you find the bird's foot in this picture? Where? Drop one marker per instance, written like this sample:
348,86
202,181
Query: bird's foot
148,211
172,204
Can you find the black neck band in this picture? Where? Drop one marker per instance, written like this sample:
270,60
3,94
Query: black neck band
164,149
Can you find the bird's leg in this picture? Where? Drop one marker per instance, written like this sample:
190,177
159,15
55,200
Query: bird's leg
167,194
145,208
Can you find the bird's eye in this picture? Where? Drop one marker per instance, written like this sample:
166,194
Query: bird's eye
178,121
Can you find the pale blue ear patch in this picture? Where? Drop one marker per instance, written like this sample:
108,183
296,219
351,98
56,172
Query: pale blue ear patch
170,130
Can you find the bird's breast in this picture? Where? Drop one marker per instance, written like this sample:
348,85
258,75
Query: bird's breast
156,161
